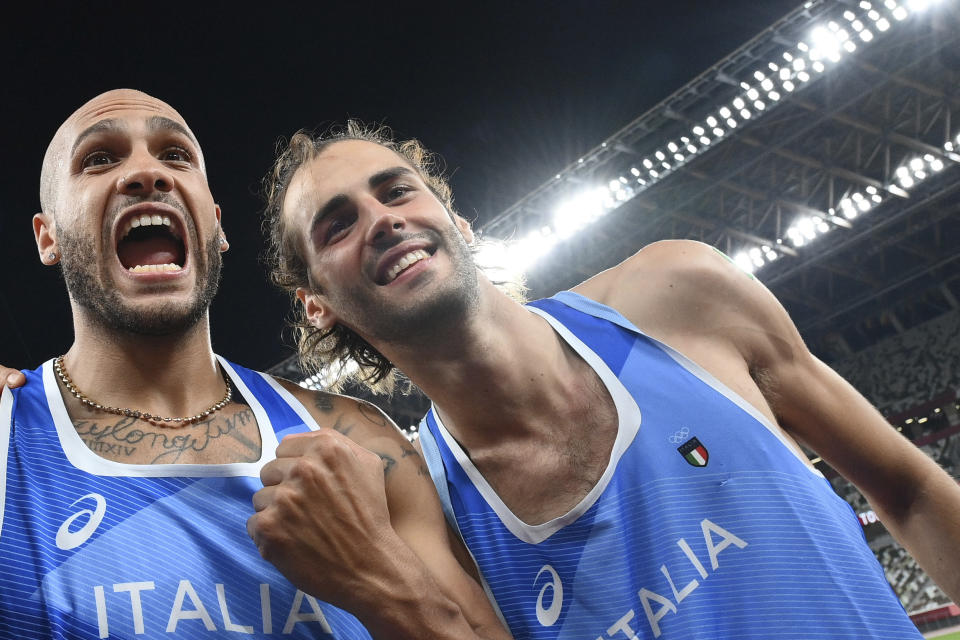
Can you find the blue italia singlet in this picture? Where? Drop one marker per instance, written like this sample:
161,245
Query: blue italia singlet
705,525
92,548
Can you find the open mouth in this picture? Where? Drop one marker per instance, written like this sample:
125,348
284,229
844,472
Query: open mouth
151,243
406,261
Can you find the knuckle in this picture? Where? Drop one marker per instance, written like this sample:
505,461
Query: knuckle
304,467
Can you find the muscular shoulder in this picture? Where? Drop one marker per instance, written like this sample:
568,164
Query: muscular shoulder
357,419
681,290
684,275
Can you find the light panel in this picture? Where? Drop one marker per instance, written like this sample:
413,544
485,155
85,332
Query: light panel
826,45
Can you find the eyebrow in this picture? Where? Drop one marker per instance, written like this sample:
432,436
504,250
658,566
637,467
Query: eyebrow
339,200
110,125
113,125
160,123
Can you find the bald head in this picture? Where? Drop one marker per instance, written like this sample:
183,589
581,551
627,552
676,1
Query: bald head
100,114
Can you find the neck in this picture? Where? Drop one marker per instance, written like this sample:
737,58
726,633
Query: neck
171,375
502,372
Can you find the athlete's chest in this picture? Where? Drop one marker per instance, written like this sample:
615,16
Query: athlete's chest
544,478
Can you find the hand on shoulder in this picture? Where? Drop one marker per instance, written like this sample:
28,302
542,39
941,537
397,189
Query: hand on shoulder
12,378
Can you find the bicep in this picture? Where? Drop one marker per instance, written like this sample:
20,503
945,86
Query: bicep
417,517
816,406
820,408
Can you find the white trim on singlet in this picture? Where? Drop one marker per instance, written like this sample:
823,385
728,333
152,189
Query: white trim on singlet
81,457
6,426
628,418
598,309
292,400
707,378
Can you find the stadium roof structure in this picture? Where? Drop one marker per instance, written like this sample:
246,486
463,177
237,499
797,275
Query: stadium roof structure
823,156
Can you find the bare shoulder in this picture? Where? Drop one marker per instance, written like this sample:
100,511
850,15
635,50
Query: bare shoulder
671,277
355,418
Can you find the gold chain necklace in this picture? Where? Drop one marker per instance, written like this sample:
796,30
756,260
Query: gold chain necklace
61,370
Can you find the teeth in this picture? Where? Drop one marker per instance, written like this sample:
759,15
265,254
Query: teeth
407,260
145,220
155,268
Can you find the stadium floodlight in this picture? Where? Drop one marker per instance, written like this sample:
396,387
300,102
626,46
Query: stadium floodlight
828,41
742,260
329,374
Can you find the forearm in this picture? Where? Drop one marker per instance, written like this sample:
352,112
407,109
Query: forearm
930,530
402,600
916,500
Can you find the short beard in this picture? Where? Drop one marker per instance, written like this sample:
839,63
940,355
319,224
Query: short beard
87,289
422,319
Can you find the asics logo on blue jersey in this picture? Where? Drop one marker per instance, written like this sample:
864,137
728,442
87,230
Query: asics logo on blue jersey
67,539
547,616
679,436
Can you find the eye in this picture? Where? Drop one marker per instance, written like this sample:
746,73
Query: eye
336,228
176,154
397,191
97,159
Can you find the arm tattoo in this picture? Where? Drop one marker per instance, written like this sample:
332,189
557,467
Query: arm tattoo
388,462
323,402
338,426
372,415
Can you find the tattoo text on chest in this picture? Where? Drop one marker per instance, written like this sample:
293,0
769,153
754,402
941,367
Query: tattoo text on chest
124,437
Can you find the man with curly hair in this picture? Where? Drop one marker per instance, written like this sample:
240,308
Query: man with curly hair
622,459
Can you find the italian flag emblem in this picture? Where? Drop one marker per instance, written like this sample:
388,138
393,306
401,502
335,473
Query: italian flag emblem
694,452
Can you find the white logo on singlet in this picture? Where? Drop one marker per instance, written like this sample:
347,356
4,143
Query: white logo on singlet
67,539
549,615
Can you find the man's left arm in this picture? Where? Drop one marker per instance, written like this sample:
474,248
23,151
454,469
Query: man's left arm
916,500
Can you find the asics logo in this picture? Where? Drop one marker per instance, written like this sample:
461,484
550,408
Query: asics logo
549,615
679,436
67,539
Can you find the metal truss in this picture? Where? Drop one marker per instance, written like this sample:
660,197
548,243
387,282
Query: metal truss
848,130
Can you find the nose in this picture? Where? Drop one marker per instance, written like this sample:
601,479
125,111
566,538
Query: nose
385,222
144,177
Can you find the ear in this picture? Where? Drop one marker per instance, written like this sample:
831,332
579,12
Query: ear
465,230
45,233
318,313
224,245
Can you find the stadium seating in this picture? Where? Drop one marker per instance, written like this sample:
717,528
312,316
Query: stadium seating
901,374
906,370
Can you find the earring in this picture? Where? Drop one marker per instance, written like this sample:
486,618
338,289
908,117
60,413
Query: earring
53,256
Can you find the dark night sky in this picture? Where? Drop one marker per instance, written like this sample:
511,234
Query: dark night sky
507,93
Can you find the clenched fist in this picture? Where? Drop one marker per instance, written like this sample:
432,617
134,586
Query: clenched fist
322,518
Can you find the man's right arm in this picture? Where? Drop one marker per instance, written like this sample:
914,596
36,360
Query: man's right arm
349,514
